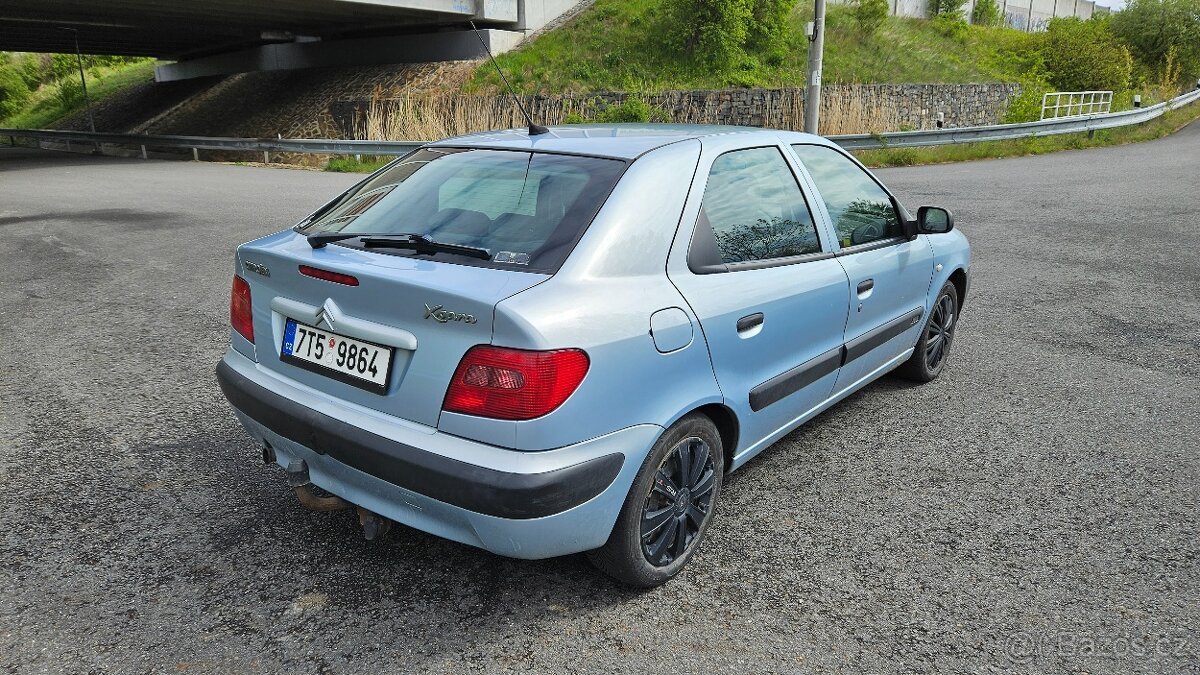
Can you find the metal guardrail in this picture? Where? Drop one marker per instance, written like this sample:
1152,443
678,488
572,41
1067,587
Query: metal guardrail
899,139
318,146
1000,132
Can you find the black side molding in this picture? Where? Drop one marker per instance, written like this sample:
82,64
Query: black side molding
475,488
876,337
792,381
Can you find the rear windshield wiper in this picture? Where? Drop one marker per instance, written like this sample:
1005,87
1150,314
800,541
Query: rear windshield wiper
423,244
417,242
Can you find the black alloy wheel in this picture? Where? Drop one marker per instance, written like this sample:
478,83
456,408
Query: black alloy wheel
939,332
669,507
679,501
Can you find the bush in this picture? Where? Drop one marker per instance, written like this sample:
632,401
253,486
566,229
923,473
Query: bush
720,30
951,25
35,70
1152,28
950,8
1085,55
13,92
68,92
986,13
631,110
869,15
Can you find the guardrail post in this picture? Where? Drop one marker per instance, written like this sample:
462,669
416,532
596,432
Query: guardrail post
196,154
144,152
12,140
266,157
68,145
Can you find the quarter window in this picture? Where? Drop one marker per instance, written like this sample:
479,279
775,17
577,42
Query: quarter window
861,211
756,209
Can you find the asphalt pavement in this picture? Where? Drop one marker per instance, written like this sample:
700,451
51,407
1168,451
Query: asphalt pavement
1034,510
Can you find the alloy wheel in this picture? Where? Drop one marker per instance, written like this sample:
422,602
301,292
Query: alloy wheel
939,332
679,501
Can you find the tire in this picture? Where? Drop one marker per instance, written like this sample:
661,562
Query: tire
657,558
937,336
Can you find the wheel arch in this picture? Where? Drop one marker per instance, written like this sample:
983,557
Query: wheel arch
959,278
727,426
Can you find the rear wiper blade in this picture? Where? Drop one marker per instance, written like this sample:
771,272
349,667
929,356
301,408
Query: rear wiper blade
417,242
423,244
321,238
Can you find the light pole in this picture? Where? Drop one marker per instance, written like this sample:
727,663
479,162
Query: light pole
87,101
816,49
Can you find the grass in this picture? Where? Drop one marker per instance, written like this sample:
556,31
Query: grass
1159,127
618,45
354,165
44,107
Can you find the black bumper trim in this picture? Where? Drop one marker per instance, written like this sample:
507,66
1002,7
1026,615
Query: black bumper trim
475,488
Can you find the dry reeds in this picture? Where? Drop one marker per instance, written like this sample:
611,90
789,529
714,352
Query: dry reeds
845,109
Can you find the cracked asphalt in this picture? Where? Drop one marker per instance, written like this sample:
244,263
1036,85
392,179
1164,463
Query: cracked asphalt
1034,510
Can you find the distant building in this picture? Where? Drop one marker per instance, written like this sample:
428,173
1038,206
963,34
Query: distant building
1026,15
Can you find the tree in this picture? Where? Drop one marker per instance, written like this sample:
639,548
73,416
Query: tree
1085,55
13,92
950,8
1153,28
869,15
986,13
720,30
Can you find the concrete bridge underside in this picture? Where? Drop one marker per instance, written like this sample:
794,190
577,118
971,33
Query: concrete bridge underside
212,37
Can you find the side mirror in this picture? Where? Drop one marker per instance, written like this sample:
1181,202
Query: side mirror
934,220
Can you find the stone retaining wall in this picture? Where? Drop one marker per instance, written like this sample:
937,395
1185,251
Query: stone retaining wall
847,108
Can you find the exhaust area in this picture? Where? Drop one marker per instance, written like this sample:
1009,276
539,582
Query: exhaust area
374,526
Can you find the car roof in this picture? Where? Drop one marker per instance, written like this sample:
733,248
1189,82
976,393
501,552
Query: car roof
622,141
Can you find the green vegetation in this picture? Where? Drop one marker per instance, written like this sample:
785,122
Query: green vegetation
44,88
869,15
1157,128
986,13
644,46
620,45
1085,55
356,165
1164,37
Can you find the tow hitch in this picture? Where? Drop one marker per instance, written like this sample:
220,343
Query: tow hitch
374,525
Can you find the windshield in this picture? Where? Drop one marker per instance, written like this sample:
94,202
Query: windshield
526,209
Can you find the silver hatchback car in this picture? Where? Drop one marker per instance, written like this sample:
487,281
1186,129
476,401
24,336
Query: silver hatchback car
542,345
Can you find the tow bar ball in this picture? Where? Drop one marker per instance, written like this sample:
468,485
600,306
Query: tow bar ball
373,525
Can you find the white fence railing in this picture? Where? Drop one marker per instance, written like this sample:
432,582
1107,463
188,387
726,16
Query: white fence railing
1058,104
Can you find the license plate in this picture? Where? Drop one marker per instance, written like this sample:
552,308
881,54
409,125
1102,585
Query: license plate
362,364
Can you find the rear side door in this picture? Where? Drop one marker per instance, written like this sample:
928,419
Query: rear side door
889,273
770,296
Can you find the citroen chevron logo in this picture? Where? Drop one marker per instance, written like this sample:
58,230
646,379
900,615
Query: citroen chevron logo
326,314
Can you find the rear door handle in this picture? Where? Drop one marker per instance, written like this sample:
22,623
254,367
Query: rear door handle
866,286
750,322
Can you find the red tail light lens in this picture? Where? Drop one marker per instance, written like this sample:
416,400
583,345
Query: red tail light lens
514,384
241,317
326,275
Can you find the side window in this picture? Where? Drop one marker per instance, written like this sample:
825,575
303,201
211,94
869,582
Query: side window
860,210
756,209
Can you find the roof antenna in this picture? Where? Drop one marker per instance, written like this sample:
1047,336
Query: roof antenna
534,129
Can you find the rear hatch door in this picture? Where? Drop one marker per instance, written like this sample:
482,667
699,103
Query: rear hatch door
428,312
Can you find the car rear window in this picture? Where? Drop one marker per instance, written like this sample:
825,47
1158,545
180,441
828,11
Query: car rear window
526,209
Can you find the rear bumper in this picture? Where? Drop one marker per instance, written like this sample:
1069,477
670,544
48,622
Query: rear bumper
515,503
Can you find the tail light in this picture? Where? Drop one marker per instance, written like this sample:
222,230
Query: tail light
241,317
514,384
